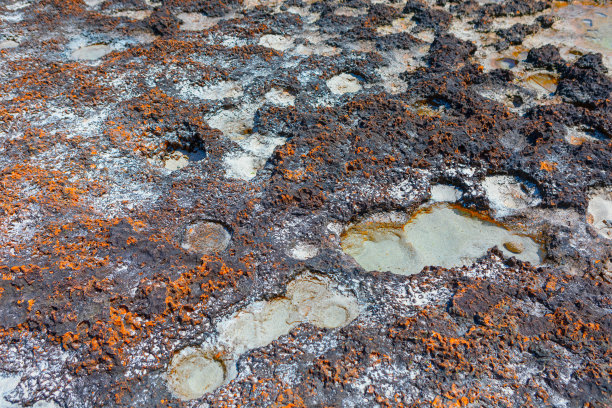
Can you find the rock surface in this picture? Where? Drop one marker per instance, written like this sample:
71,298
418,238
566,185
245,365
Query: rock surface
278,124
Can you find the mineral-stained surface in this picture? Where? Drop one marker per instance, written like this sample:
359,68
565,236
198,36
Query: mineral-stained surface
167,165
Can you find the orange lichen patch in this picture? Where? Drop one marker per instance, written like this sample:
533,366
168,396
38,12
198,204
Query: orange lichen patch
82,85
65,6
265,392
51,189
582,334
126,322
180,290
548,166
154,115
80,253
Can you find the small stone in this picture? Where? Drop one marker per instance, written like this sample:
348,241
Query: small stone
514,247
206,238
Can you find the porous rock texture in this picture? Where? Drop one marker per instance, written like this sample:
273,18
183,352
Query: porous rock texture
97,294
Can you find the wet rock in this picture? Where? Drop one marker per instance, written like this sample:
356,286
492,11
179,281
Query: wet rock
584,82
447,50
514,247
547,57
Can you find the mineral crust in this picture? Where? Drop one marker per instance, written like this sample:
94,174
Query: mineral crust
165,165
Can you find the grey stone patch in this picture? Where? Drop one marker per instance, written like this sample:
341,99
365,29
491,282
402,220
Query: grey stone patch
343,83
599,212
445,193
91,52
8,44
507,194
276,42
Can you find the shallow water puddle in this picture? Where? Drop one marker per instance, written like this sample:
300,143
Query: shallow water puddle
440,235
309,298
542,82
582,25
193,372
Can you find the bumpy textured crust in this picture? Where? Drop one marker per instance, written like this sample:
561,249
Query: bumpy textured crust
97,293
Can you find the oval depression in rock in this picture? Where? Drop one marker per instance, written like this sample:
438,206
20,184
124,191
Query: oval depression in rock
206,237
193,373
